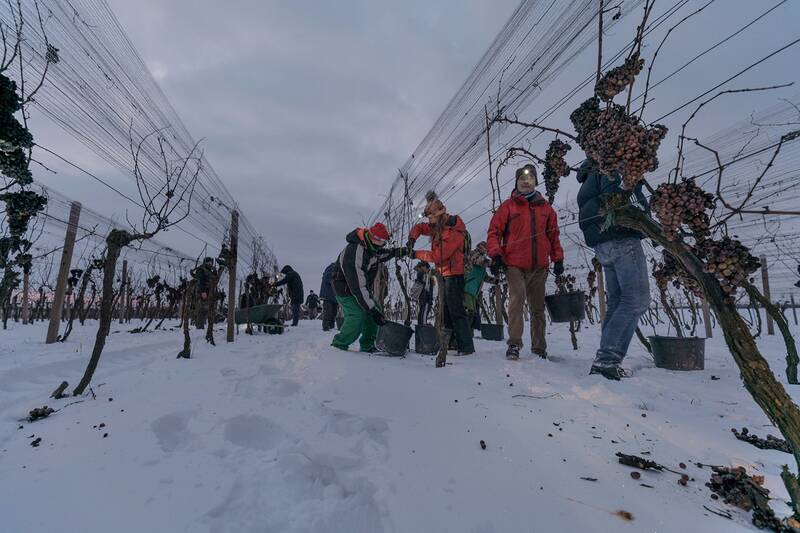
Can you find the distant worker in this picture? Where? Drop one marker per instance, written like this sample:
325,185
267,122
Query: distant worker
330,308
204,275
294,287
422,291
312,304
476,274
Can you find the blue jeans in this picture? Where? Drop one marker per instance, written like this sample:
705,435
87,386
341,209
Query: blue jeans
628,293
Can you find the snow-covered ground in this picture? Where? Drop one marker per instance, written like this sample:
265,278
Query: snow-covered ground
285,434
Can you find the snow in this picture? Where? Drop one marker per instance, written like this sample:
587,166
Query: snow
281,433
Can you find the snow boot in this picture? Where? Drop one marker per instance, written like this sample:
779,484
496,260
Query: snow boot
513,352
610,372
542,355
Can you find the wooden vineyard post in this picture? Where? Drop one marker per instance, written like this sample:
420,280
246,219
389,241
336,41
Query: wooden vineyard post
123,306
444,339
26,299
63,272
765,281
232,274
498,304
601,293
707,319
794,310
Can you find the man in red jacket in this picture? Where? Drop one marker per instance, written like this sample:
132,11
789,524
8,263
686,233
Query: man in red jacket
523,238
447,233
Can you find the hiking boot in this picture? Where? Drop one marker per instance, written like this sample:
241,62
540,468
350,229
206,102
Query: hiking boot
542,355
512,352
466,352
369,350
610,372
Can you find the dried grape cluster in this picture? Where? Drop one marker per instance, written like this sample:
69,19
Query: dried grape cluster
770,443
668,270
736,487
565,284
729,261
40,412
615,80
616,141
584,118
682,203
555,167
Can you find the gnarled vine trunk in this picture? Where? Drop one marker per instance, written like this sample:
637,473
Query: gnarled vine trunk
758,379
115,242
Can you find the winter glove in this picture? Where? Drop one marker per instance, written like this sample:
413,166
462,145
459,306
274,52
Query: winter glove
558,268
377,316
497,265
410,244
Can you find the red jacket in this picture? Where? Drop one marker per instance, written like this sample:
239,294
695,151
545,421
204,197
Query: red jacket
525,233
447,251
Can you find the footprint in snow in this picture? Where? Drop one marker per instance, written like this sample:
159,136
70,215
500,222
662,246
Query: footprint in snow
172,430
284,387
254,432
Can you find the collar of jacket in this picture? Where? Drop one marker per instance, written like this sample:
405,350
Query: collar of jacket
538,199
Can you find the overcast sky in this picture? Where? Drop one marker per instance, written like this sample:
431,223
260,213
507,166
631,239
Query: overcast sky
308,108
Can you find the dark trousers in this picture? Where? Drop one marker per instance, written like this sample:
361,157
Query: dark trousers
329,311
295,312
455,316
422,314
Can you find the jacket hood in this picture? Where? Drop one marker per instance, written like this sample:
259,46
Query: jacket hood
518,197
357,236
586,168
286,269
456,223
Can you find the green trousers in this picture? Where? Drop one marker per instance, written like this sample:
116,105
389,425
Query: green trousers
357,323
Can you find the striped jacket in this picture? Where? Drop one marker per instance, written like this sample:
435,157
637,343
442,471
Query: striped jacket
357,267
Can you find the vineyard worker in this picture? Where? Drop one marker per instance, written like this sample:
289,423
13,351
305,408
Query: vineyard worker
523,239
422,291
476,275
449,238
329,306
312,303
620,252
294,286
353,281
203,275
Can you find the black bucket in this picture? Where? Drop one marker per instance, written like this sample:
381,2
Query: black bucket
679,353
492,332
426,339
566,307
393,338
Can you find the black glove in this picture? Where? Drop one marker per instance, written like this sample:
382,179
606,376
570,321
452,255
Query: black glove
410,244
558,268
497,265
377,316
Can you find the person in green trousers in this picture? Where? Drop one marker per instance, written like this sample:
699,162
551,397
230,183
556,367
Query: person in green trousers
476,274
353,280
